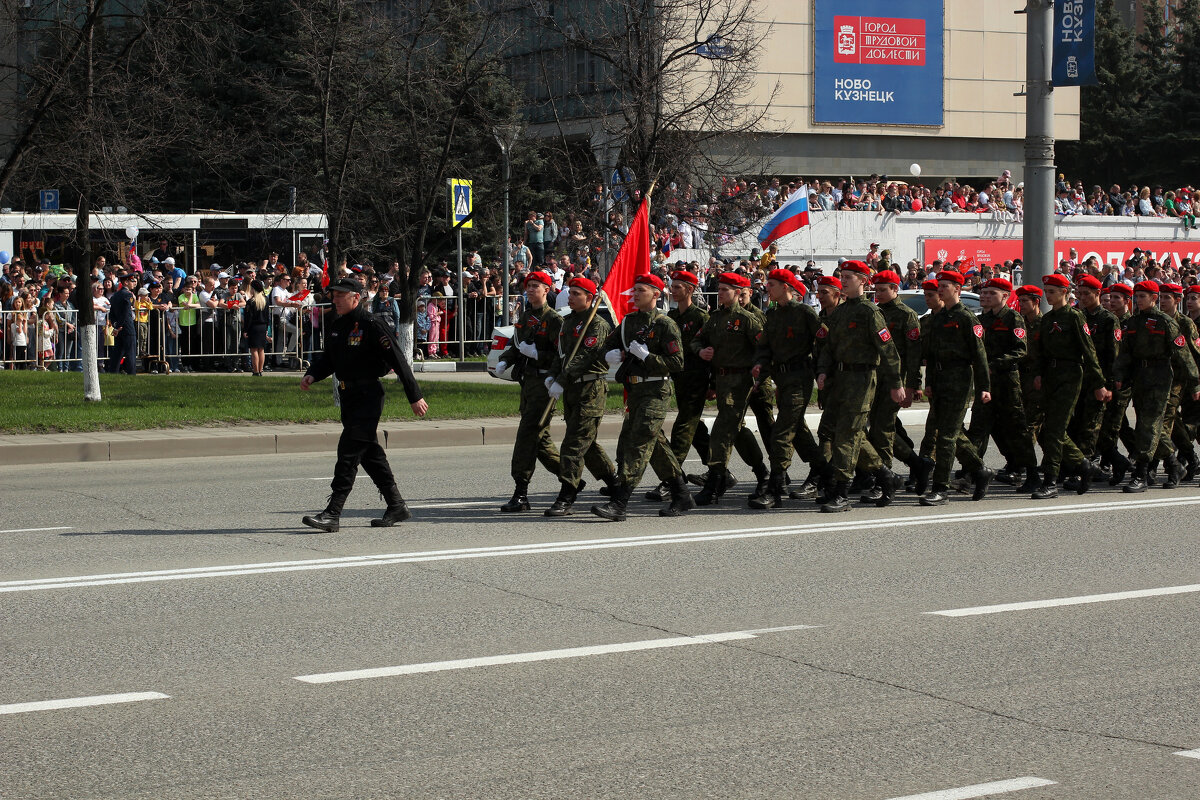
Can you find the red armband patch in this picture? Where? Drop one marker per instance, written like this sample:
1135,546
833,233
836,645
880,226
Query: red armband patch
1117,334
590,341
673,347
1019,333
1086,329
978,331
1180,341
822,332
914,334
885,334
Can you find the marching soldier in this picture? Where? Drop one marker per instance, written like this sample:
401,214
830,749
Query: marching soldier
1066,364
1152,352
858,350
761,405
905,328
785,354
829,295
933,302
956,363
728,341
359,350
531,351
1029,303
1103,327
1004,341
582,383
647,346
1114,425
1173,428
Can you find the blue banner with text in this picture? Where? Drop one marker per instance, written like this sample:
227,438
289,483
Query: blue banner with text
1074,43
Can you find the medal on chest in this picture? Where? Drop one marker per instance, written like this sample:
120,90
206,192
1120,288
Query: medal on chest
354,337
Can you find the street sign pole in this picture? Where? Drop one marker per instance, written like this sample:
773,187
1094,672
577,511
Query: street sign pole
1038,233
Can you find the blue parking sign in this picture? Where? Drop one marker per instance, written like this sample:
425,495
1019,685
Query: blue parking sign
48,199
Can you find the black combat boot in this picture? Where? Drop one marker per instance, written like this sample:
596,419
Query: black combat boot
1048,489
561,506
396,511
921,473
983,478
1088,472
520,498
939,495
839,499
1190,461
861,481
1009,475
885,484
327,520
1174,472
714,487
773,497
1151,476
614,509
807,489
1031,483
681,499
1137,484
1120,466
762,482
872,491
658,493
611,484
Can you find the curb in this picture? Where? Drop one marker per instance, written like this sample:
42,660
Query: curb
217,442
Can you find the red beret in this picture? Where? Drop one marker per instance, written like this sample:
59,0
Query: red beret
683,276
1122,288
790,278
887,276
1146,286
929,285
540,277
1090,281
583,283
650,280
1002,284
1057,280
1029,290
951,275
856,266
829,280
733,279
1170,288
1194,288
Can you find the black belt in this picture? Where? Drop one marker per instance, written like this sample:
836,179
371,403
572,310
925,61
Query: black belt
357,383
632,379
732,370
785,368
844,367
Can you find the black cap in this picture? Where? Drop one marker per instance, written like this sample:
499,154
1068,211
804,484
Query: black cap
346,285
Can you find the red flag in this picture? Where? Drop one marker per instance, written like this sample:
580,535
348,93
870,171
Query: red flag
325,272
632,260
299,296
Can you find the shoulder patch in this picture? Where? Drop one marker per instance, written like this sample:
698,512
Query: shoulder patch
885,334
1180,341
590,341
1117,334
1086,329
1019,333
914,334
673,346
978,331
822,332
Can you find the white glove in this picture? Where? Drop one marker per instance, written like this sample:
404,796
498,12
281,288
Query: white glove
501,367
640,350
556,389
528,349
613,357
549,381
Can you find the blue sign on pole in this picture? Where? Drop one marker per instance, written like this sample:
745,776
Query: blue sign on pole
48,200
878,62
1074,43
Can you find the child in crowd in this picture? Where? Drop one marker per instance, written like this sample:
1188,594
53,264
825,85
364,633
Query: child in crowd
422,329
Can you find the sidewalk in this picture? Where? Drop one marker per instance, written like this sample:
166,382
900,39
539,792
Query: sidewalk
242,440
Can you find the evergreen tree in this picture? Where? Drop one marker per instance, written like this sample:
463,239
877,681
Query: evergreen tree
1153,154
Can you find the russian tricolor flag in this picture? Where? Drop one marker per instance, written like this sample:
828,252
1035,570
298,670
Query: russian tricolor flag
789,219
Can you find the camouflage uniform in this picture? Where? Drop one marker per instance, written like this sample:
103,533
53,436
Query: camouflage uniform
785,355
1176,432
1031,396
691,389
584,379
1089,412
1003,419
540,327
956,370
905,328
859,349
1065,360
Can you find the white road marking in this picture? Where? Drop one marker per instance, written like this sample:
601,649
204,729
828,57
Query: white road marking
980,790
469,504
1189,753
286,480
28,530
1000,608
82,702
541,655
890,523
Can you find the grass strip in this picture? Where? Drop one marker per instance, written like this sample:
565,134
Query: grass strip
52,402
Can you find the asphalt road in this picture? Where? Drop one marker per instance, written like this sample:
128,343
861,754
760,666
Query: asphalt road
469,654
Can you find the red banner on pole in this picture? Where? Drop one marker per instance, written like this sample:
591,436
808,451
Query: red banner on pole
632,260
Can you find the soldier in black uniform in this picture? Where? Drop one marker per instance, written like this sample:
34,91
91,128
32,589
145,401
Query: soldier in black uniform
359,350
531,352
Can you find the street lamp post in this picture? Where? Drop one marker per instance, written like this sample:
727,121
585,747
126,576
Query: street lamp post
506,137
606,155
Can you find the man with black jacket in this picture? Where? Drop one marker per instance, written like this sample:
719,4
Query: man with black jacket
359,350
120,316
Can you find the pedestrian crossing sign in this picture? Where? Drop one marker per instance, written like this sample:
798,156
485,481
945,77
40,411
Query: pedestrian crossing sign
461,203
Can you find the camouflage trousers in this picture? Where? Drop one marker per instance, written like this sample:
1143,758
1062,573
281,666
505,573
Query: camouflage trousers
583,407
642,440
533,438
